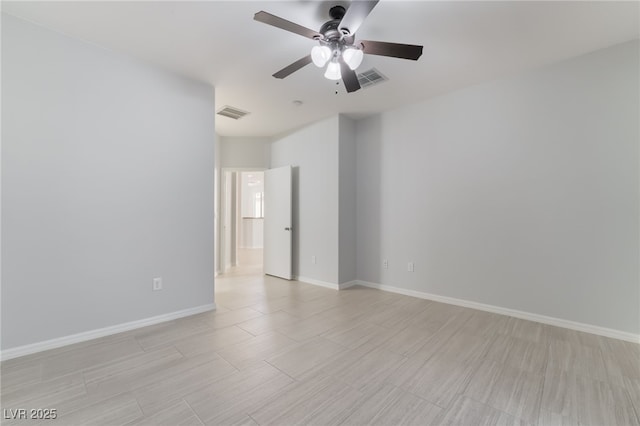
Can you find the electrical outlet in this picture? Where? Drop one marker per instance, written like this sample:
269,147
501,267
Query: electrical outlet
313,260
157,284
410,267
385,264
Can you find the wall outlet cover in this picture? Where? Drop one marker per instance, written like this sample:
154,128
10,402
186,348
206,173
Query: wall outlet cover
157,284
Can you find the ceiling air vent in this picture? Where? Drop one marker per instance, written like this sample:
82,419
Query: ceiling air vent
370,77
232,112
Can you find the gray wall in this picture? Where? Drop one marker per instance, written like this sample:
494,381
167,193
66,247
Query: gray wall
521,193
313,153
347,203
238,152
323,156
107,182
217,178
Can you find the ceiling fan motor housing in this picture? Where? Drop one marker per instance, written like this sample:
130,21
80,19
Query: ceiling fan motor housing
331,32
332,36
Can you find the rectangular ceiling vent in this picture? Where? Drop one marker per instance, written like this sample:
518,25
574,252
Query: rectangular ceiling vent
232,112
370,77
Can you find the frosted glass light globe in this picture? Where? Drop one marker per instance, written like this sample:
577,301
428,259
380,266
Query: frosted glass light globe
353,57
333,71
320,55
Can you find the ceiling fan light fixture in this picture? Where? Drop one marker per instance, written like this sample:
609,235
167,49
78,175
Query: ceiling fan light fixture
320,55
335,43
353,57
333,71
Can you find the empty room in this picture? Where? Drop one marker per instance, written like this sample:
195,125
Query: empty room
320,213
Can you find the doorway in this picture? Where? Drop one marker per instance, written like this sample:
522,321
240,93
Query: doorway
242,221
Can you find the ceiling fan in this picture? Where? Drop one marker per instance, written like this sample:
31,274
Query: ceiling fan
336,43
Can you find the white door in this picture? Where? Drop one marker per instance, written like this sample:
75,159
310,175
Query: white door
277,222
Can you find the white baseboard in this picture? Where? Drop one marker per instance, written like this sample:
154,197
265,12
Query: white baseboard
572,325
326,284
313,281
347,284
100,332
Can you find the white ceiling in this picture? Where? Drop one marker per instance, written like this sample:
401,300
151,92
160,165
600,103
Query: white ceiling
219,42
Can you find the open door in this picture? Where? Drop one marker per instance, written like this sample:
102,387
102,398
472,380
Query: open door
277,222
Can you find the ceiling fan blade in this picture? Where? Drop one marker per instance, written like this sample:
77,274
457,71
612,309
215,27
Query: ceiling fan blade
349,77
395,50
356,14
290,69
278,22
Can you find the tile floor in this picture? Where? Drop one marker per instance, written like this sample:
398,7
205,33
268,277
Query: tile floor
288,353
